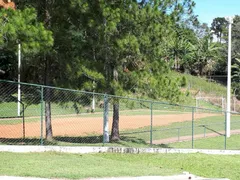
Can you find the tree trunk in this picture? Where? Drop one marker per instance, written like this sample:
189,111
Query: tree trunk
115,126
47,74
175,63
48,122
201,69
220,38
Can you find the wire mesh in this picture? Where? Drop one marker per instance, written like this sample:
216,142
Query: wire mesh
76,116
172,124
19,115
54,116
209,125
134,119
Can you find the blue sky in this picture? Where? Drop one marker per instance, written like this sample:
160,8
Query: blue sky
210,9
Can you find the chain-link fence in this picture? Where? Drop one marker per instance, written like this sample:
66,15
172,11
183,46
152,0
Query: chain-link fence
218,103
32,114
210,92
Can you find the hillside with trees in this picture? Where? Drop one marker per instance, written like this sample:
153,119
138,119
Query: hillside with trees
124,47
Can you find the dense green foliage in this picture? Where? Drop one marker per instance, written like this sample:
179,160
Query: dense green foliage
21,26
219,28
236,56
116,47
122,46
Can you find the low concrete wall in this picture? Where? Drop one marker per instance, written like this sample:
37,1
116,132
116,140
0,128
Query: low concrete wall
85,150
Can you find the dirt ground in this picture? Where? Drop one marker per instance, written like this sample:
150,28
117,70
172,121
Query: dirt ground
80,126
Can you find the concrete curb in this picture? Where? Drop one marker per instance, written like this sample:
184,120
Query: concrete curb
177,177
185,176
86,150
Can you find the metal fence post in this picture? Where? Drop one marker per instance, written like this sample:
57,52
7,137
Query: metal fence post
41,140
204,131
178,129
151,127
105,120
193,128
225,137
23,121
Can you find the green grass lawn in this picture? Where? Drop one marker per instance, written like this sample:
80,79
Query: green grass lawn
215,123
18,121
75,166
233,143
10,109
37,117
208,105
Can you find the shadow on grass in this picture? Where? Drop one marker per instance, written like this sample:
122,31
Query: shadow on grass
126,141
131,141
26,141
56,141
80,139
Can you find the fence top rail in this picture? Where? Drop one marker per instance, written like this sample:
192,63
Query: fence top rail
120,97
51,87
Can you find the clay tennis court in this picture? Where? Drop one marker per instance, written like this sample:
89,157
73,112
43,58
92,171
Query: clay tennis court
82,126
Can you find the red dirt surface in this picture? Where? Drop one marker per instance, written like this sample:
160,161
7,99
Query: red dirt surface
80,126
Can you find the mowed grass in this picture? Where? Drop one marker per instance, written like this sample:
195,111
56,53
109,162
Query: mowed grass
37,118
77,166
233,143
207,105
10,109
210,125
213,124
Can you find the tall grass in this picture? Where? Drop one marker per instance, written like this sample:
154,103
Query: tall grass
201,83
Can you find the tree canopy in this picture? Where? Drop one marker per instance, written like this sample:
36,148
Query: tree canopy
21,27
113,46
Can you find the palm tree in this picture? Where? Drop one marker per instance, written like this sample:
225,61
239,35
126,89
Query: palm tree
206,55
236,77
236,71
